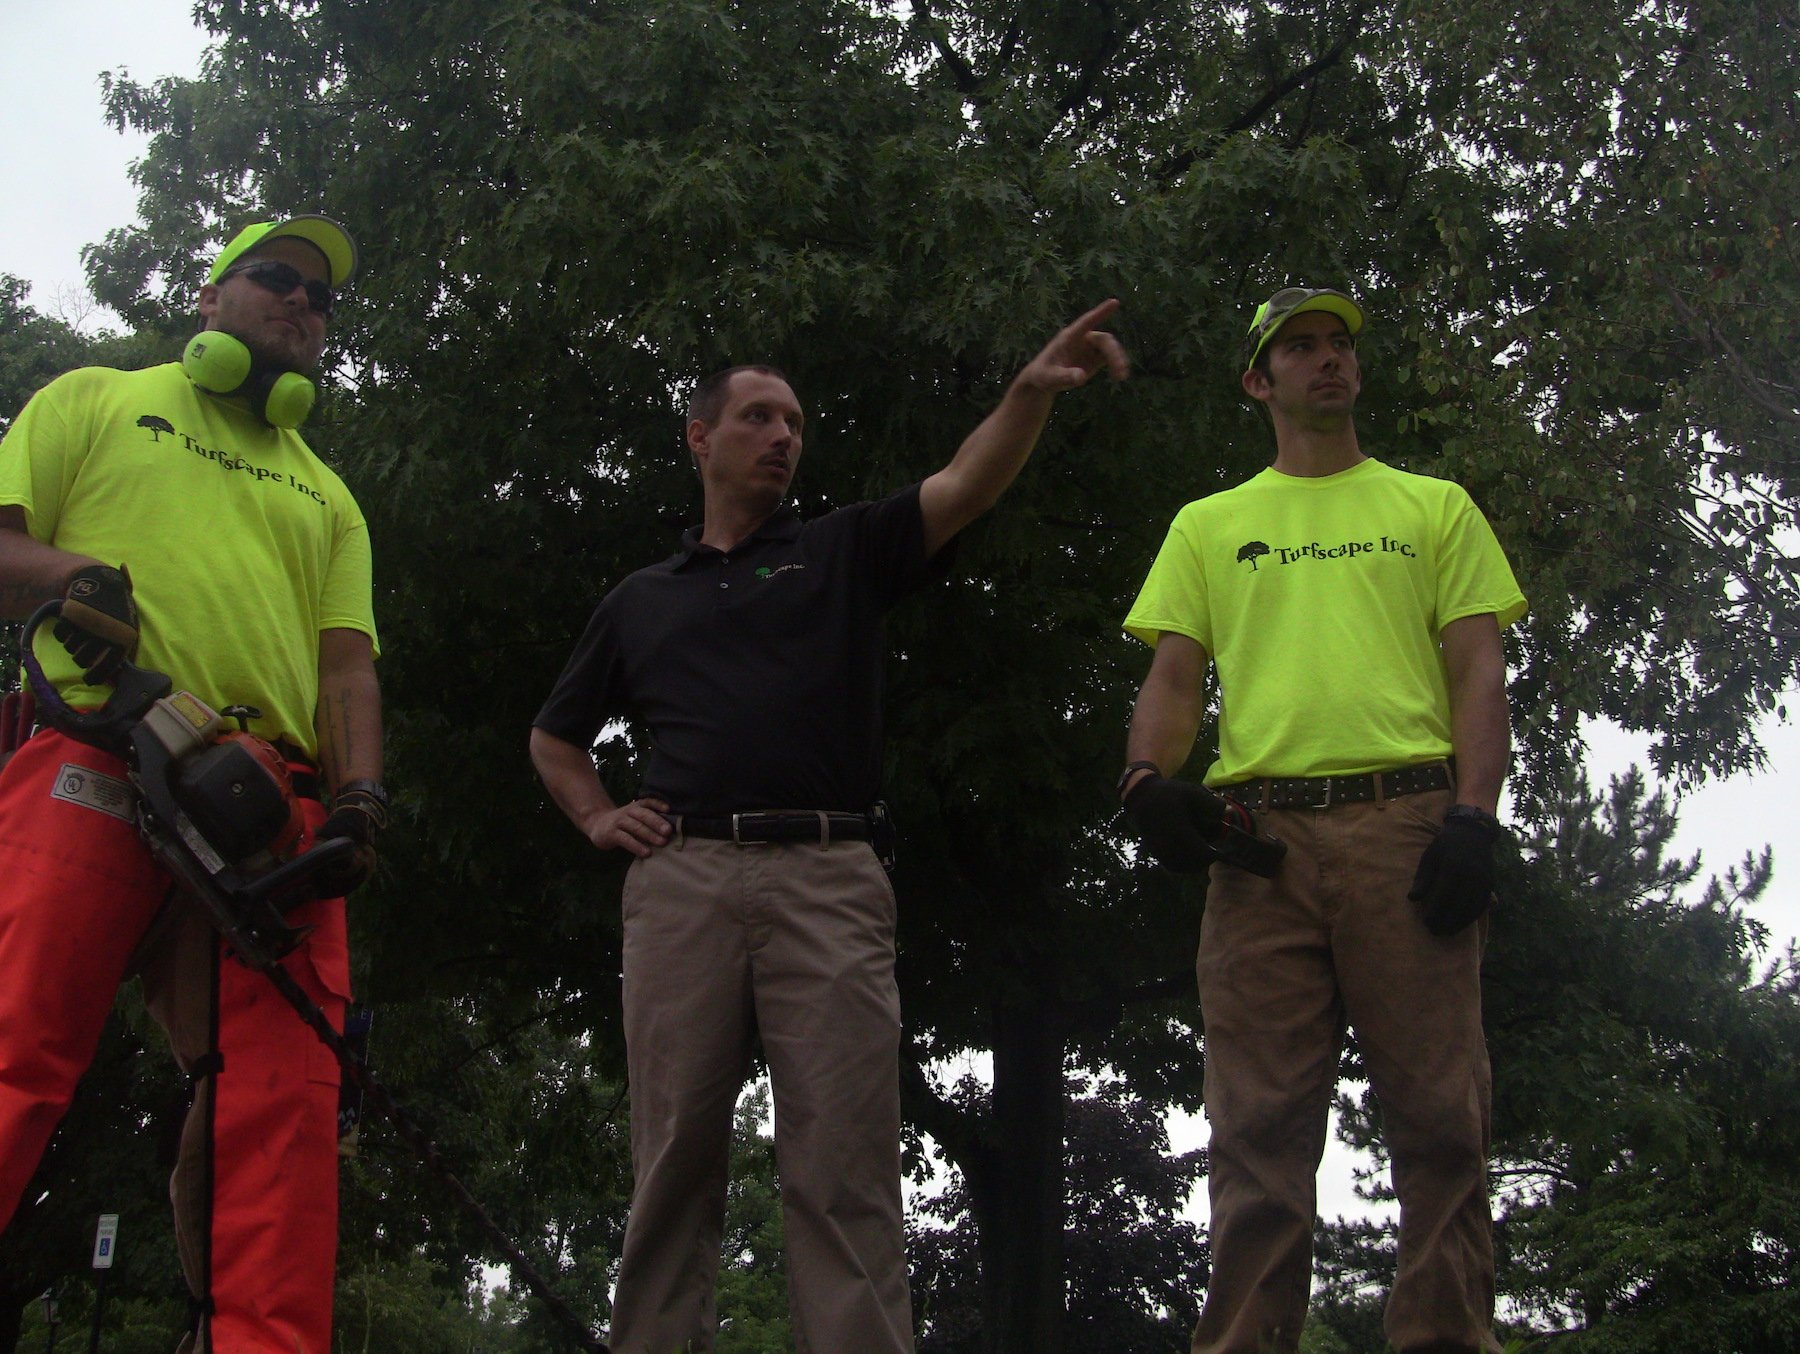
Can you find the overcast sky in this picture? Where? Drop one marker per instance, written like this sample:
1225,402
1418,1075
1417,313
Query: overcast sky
63,171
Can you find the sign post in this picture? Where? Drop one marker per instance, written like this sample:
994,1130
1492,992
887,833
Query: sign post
106,1246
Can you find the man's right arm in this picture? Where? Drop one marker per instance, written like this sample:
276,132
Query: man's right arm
569,775
31,573
1166,719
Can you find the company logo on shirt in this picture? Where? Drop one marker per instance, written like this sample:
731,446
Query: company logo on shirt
1251,551
224,460
766,572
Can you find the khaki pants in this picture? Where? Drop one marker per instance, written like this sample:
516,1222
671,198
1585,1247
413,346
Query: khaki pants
1283,964
795,943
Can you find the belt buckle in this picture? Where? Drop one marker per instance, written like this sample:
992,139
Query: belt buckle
737,831
1324,803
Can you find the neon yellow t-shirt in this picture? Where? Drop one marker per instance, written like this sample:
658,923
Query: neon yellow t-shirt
1320,602
242,544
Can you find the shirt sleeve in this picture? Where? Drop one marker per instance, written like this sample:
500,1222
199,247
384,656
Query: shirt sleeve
1174,596
347,602
1473,575
591,685
39,457
889,542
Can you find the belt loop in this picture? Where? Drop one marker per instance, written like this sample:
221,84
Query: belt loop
1450,773
1380,794
824,829
675,821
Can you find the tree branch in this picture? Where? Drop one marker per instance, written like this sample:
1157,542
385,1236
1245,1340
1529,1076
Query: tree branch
1747,380
933,1113
1304,76
968,84
1110,42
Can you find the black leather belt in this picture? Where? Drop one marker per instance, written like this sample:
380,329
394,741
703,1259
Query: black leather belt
1322,792
778,825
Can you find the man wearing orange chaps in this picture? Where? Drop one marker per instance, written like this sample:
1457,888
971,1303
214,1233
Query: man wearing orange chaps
102,477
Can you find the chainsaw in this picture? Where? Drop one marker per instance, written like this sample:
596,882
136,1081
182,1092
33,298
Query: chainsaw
216,805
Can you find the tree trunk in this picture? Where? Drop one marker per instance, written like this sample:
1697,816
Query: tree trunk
1018,1187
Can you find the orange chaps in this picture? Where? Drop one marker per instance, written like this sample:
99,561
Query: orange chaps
83,907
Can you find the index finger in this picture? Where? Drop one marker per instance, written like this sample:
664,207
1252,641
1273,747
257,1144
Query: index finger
1093,317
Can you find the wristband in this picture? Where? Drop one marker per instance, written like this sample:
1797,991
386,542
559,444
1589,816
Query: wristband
1131,771
1469,813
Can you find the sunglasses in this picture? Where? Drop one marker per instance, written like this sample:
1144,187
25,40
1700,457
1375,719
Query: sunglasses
281,278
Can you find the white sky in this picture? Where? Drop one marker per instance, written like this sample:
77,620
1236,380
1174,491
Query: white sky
64,174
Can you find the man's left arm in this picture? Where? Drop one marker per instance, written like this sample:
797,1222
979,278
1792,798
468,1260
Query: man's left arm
348,723
1455,881
991,457
1480,733
348,717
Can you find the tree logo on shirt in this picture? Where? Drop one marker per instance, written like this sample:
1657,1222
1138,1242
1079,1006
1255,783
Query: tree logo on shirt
766,572
157,426
1250,551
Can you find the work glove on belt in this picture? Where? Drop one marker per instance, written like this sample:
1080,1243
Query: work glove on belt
357,814
1455,881
99,621
1179,823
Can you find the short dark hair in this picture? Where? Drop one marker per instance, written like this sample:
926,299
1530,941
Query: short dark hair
708,400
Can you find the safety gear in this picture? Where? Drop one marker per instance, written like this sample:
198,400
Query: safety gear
1187,827
99,621
358,812
1455,881
222,364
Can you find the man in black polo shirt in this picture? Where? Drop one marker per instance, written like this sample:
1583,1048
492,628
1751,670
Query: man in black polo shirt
756,905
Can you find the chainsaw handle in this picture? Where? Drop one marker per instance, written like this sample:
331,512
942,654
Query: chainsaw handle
288,878
135,690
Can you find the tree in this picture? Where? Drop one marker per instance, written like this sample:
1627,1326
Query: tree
753,1316
33,348
1135,1267
572,209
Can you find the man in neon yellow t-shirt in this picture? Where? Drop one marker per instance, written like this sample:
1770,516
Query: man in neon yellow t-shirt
187,526
1353,614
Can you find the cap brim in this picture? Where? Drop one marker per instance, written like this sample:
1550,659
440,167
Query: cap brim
1341,306
325,235
321,232
1330,302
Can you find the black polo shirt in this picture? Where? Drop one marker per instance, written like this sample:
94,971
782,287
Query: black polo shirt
757,672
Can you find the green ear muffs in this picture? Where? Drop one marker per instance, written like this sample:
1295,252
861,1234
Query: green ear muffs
219,363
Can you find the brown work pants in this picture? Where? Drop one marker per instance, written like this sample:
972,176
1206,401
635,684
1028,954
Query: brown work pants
1283,964
794,943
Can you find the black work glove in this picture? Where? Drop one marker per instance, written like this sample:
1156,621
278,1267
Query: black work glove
99,622
1179,823
1455,882
357,815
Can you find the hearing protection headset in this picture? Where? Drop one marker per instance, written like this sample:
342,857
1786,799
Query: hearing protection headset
221,364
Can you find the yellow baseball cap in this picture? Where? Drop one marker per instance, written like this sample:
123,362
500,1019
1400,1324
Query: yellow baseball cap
324,234
1292,301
